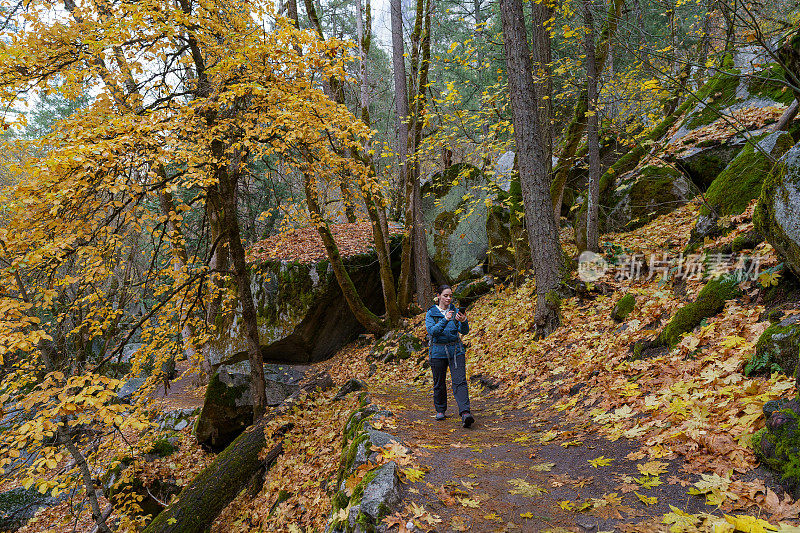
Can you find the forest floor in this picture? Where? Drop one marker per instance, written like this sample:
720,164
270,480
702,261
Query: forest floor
576,437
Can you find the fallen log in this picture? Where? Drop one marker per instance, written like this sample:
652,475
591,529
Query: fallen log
201,501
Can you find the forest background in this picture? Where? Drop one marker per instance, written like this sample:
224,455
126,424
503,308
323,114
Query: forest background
148,145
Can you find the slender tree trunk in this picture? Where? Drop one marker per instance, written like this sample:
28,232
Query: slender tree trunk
65,437
592,137
218,263
574,132
421,259
373,198
401,102
228,182
542,231
365,317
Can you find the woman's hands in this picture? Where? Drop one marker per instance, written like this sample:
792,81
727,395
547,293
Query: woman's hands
449,315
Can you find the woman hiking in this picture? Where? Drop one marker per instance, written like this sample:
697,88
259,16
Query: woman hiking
444,324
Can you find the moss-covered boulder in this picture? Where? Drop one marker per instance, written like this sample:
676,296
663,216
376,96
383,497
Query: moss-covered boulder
369,496
468,291
644,193
709,302
741,181
777,216
396,344
778,444
455,212
301,312
777,348
752,91
18,505
228,404
623,307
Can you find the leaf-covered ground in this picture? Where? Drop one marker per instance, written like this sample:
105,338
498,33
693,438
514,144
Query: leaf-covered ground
661,443
577,437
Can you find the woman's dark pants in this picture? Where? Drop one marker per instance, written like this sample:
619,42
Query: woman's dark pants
458,374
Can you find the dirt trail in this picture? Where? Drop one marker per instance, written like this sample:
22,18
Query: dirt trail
499,475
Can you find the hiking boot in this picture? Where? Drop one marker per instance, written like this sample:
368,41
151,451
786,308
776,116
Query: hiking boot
467,419
440,416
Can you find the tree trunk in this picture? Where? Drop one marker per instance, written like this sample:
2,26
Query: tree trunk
365,317
542,231
228,180
541,13
421,260
218,263
592,137
574,132
401,102
201,501
372,195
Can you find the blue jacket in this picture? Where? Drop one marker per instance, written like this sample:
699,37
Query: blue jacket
444,333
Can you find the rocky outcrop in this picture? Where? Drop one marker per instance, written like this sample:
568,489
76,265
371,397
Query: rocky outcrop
302,314
455,209
397,344
369,497
228,405
741,181
644,193
18,505
743,97
778,444
777,348
777,217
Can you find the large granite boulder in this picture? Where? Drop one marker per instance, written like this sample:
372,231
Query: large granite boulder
228,405
778,444
454,205
777,348
302,314
18,505
644,193
777,217
740,182
747,96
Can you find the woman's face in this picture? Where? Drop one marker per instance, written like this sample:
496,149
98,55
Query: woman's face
445,297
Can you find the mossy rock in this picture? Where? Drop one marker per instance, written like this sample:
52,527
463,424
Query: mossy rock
396,344
454,206
18,505
777,348
742,179
776,215
162,448
777,446
643,194
623,307
467,292
227,410
301,314
709,302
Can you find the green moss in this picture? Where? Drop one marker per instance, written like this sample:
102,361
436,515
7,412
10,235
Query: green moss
624,307
786,442
219,393
709,302
717,94
765,357
755,443
162,448
741,181
746,241
771,83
